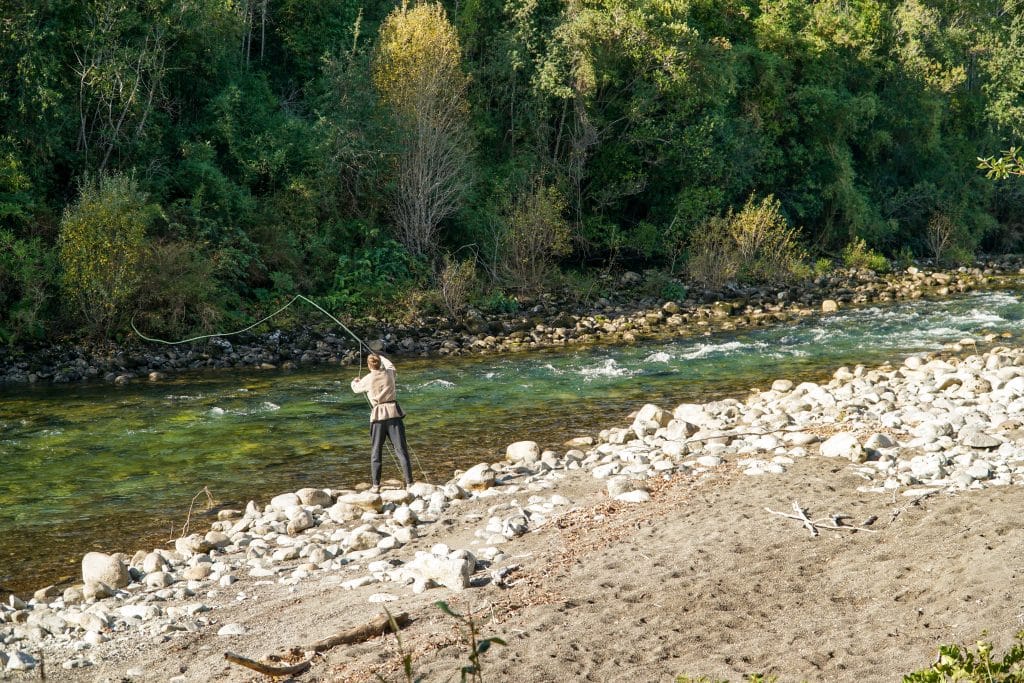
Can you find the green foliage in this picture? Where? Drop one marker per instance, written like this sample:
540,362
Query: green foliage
372,277
858,255
980,665
904,257
755,245
1001,168
28,283
455,283
179,294
660,284
532,235
101,247
498,302
822,266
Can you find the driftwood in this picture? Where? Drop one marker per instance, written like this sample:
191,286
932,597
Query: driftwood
267,669
813,525
371,629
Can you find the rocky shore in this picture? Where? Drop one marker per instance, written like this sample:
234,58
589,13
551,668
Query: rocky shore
931,426
547,322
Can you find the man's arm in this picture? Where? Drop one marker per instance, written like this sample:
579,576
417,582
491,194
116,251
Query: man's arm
359,386
386,364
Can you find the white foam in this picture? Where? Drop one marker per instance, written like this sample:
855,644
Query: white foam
443,383
658,357
607,368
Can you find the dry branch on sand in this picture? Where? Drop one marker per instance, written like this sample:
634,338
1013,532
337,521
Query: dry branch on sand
384,623
813,525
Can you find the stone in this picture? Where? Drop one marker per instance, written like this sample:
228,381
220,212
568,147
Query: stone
404,516
452,573
343,512
619,485
73,595
694,413
154,562
312,497
301,521
97,590
979,470
396,496
974,438
20,661
782,385
158,579
843,445
103,568
216,539
382,597
525,452
367,501
637,496
198,572
285,501
46,594
652,413
677,430
190,545
229,630
363,538
709,461
477,478
829,306
879,440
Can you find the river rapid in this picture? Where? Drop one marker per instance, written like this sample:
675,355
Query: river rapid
114,468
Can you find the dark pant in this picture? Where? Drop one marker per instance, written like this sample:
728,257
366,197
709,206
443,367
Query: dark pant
394,430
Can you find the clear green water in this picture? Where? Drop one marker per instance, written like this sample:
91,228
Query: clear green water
114,468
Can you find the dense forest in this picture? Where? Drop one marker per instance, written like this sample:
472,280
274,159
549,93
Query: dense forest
190,162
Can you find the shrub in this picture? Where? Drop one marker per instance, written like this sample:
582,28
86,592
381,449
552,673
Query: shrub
28,279
859,256
498,302
662,285
904,257
101,242
372,276
756,245
180,293
534,235
455,283
958,663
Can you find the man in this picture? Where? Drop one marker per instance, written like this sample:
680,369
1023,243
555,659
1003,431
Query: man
385,416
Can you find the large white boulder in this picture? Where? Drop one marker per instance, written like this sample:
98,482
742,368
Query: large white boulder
103,568
310,496
844,445
450,572
477,478
526,452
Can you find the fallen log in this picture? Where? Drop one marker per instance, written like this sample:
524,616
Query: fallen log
371,629
267,669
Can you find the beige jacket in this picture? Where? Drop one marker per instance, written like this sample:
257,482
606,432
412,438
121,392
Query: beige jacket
379,387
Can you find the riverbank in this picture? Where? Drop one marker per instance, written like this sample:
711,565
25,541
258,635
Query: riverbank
625,316
644,550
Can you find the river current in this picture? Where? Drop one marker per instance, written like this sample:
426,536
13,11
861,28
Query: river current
114,468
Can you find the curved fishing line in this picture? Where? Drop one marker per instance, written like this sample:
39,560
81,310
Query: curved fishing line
282,309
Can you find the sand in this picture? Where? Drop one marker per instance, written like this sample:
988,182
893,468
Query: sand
702,580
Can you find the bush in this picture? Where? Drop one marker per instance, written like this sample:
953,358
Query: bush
662,285
455,283
534,235
755,245
102,238
28,279
498,303
372,276
180,293
958,663
859,256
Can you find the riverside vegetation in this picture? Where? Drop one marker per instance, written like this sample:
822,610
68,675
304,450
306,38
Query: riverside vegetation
188,164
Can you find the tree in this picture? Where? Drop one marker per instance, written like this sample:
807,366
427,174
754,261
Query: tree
418,73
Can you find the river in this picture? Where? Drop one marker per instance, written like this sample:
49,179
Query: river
114,468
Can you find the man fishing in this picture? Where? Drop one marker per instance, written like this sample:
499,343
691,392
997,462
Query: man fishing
385,417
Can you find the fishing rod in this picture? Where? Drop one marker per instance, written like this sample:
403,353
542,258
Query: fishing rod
298,297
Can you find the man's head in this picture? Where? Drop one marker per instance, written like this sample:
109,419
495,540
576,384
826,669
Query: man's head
373,361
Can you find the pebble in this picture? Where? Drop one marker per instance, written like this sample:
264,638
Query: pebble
228,630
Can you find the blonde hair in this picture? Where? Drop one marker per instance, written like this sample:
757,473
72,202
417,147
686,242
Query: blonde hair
373,361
